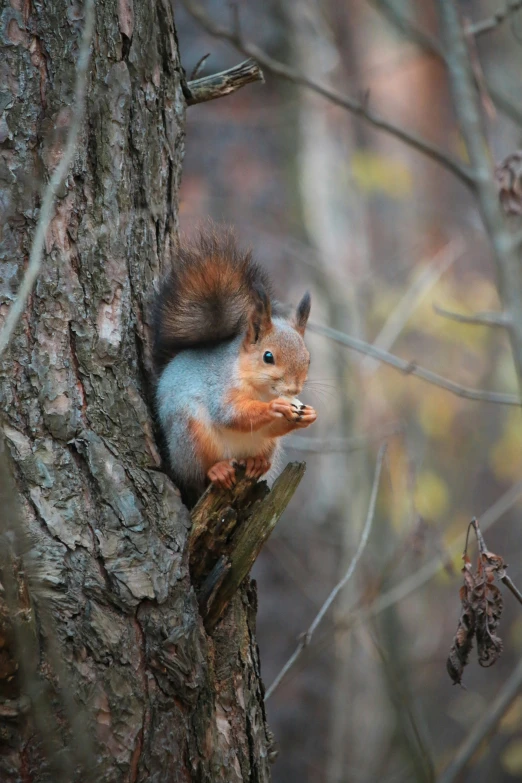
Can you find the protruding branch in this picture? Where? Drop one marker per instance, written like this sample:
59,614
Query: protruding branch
224,83
229,530
480,319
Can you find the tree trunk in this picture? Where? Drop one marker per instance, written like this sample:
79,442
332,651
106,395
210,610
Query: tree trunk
123,683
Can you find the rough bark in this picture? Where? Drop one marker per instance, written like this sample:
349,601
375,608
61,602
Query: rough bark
106,643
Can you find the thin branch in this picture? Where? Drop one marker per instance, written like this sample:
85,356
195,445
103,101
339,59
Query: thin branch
57,178
484,726
498,18
466,104
307,637
397,320
198,66
224,83
356,107
480,319
411,368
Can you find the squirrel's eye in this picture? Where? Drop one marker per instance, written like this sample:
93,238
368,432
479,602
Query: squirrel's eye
268,357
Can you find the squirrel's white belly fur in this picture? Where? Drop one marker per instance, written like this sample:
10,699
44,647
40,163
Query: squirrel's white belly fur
236,445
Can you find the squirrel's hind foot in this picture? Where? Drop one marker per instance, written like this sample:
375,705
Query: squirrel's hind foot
255,466
223,474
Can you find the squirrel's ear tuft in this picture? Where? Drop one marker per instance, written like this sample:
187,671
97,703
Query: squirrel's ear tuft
260,320
302,313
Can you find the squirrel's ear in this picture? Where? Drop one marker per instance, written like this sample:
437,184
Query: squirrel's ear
260,320
302,313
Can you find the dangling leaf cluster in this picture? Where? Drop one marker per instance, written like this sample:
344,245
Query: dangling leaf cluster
482,605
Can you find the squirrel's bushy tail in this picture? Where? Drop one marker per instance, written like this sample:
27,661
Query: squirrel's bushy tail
207,295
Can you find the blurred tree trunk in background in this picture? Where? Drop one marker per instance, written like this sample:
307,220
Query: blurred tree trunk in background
106,672
334,214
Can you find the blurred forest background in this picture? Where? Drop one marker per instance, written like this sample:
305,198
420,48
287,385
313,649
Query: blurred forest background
381,235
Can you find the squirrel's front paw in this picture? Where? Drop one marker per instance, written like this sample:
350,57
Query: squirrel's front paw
282,408
300,415
307,417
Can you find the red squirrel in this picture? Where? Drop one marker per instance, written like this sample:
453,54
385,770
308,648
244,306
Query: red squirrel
229,366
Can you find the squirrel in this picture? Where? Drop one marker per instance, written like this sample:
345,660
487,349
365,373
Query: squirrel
229,365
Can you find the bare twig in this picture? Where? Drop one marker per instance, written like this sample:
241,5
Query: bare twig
498,18
224,83
411,368
307,637
198,66
416,292
479,319
509,275
57,178
357,107
484,726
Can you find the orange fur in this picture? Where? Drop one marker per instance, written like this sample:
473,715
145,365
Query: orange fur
204,443
249,414
208,439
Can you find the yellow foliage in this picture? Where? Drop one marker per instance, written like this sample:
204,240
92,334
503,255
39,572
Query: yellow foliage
515,635
455,333
458,526
506,375
460,147
374,173
506,455
512,719
511,758
436,412
478,293
431,495
399,501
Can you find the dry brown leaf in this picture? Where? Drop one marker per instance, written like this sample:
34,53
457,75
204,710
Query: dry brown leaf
463,640
482,605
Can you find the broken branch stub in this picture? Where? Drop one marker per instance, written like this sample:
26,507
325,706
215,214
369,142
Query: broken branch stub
217,85
229,528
